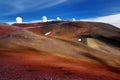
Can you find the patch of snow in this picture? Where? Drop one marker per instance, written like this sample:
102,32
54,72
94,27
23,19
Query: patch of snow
47,33
79,39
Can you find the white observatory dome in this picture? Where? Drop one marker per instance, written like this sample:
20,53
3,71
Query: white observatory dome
59,19
18,20
73,19
44,19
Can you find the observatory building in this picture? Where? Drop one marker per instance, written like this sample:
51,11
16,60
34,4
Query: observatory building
44,19
73,19
18,20
59,19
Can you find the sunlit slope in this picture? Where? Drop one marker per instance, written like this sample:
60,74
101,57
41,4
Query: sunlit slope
26,40
30,65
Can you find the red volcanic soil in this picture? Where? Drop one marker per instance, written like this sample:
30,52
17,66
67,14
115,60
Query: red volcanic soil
29,65
37,27
24,25
37,24
7,29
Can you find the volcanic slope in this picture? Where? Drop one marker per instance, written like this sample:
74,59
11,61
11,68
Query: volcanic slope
93,34
24,39
69,29
26,55
6,29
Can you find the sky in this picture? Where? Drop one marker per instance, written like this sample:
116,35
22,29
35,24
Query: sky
107,11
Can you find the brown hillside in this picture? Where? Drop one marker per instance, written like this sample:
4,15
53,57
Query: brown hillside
105,34
6,29
23,40
77,29
30,65
58,55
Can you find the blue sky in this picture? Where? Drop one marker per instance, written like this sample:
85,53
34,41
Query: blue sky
31,10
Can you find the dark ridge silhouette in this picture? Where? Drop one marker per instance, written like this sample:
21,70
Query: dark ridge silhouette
94,58
112,41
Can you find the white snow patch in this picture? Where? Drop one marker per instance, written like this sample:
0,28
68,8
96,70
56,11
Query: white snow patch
79,39
47,33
